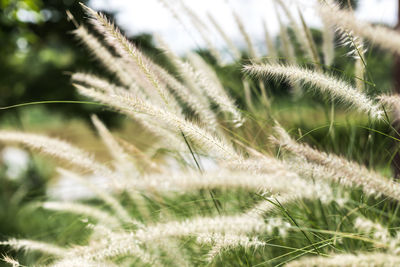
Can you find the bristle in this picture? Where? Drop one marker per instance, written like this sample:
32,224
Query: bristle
326,83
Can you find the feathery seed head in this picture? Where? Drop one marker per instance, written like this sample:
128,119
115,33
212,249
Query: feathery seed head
323,82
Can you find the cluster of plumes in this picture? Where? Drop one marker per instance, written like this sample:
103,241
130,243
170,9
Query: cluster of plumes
189,114
111,240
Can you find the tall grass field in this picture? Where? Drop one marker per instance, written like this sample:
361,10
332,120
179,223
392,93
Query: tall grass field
235,157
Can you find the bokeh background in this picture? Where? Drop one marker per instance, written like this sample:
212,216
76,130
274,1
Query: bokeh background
38,53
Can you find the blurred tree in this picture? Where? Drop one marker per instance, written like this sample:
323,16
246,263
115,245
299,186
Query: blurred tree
37,49
38,52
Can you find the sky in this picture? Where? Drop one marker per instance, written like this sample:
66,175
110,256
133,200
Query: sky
150,16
